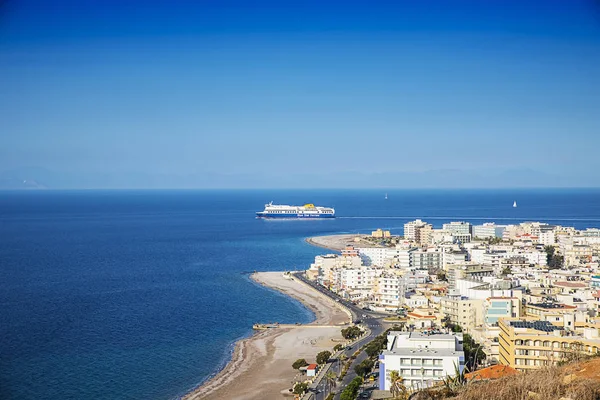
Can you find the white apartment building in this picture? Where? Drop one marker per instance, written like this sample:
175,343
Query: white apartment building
476,255
376,256
488,230
547,238
494,258
591,232
454,258
356,278
389,291
421,359
416,301
458,228
429,259
323,267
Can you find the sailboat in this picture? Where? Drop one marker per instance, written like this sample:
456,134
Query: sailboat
386,196
515,204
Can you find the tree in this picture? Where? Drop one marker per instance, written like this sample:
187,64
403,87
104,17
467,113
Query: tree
374,348
351,332
331,379
337,347
558,261
300,387
364,367
299,363
397,388
554,261
351,390
323,357
441,275
494,240
507,270
549,253
474,353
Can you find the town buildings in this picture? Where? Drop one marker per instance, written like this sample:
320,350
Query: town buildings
529,293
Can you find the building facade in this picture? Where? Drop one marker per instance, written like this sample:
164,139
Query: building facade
421,359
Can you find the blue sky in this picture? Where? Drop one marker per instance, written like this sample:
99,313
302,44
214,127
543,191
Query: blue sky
151,93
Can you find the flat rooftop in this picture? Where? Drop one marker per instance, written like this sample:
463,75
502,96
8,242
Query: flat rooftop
543,326
424,335
550,306
422,352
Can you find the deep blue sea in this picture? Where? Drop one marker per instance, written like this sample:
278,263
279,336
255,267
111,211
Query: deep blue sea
140,294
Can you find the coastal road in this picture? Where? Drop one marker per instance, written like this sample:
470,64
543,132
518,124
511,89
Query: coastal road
368,319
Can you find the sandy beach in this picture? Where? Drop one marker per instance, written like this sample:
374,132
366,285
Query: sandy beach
338,242
261,366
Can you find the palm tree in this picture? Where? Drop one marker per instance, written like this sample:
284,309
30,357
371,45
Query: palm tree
397,388
331,379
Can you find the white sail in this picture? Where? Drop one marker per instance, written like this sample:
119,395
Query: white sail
515,204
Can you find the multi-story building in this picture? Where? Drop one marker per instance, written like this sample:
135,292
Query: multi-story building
488,230
380,234
547,237
495,258
462,311
548,309
377,256
474,272
356,278
410,229
458,228
323,267
429,259
495,308
576,254
421,359
454,257
526,344
591,232
423,234
389,291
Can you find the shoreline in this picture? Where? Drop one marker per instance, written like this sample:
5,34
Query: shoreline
337,242
260,365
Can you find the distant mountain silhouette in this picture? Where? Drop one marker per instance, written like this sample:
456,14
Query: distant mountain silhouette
41,178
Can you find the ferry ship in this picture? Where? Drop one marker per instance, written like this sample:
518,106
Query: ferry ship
306,211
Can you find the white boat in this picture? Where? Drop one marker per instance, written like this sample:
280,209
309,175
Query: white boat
515,204
306,211
386,196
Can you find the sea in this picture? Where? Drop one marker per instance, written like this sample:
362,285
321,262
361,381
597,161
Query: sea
142,294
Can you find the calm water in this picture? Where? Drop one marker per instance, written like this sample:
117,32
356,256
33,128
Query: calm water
130,295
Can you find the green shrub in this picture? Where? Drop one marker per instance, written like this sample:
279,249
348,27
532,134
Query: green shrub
299,363
323,357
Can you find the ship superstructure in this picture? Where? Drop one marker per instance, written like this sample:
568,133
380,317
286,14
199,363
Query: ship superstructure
306,211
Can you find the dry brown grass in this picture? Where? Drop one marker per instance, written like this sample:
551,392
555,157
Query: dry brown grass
543,384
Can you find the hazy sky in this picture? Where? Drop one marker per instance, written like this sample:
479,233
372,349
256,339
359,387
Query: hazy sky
304,86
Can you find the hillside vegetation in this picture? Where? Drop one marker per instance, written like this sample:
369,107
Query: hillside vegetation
576,381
